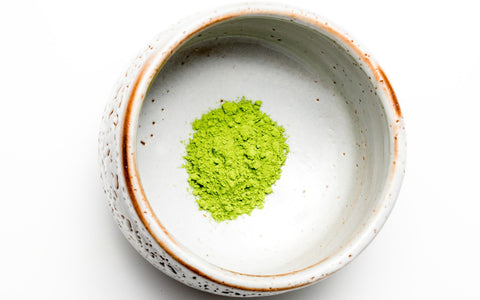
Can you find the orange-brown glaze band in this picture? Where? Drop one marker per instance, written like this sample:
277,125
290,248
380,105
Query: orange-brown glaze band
391,92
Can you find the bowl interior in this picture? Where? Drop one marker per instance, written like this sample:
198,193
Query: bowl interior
337,133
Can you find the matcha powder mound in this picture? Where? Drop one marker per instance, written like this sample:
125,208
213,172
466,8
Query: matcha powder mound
233,158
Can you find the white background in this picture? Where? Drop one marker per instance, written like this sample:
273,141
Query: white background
59,61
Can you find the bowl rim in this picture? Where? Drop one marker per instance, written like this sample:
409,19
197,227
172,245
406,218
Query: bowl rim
251,282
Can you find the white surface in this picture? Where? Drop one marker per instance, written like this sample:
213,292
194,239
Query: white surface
59,62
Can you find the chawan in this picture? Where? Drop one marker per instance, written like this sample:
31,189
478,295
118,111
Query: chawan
341,177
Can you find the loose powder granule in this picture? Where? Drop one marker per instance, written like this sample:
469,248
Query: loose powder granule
233,158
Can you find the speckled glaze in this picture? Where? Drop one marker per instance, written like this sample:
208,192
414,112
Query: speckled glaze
351,86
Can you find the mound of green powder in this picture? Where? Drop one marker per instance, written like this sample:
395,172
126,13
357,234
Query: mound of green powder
233,158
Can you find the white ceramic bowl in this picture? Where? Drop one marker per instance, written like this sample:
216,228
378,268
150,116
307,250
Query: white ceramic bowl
345,132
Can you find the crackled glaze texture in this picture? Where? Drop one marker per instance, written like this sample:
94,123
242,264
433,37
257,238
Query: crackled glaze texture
343,93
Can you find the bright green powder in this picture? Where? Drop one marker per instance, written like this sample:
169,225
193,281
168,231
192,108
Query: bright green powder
233,158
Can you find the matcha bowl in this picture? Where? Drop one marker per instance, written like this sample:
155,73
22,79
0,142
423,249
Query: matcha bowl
339,182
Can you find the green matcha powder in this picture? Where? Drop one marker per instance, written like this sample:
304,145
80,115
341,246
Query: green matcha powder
233,158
